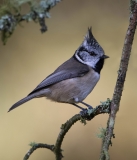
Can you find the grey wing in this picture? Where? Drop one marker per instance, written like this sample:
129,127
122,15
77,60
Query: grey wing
60,76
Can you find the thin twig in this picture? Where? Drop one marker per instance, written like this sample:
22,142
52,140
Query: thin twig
36,146
120,82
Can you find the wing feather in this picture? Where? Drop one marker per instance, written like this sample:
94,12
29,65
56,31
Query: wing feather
60,76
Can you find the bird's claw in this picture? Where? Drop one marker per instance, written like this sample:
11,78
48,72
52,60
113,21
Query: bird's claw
84,112
90,107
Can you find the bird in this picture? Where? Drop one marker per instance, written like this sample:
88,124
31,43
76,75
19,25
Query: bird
73,80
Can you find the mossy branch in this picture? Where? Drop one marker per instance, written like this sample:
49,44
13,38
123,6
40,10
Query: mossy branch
88,115
11,16
120,81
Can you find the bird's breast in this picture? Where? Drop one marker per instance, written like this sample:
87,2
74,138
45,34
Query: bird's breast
74,88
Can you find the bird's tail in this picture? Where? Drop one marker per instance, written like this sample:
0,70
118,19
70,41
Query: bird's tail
17,104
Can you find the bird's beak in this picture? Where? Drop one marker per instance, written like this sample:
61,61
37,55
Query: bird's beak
105,56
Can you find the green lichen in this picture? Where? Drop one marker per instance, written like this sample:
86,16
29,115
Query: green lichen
11,14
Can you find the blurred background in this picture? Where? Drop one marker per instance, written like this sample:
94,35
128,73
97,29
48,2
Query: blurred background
30,56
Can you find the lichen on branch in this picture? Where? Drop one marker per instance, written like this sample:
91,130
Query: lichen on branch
11,15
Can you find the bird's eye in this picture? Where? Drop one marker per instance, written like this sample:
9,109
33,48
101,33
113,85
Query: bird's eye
93,53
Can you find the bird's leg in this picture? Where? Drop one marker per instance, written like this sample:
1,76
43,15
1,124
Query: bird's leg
83,111
89,107
78,106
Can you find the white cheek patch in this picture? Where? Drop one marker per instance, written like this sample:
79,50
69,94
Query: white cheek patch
92,63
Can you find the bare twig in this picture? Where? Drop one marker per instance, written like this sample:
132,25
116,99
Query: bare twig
120,81
36,146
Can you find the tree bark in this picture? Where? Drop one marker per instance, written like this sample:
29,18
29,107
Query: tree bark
106,142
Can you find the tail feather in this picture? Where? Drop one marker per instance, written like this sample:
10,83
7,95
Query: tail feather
17,104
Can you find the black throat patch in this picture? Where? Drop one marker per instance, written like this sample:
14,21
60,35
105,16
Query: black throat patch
99,65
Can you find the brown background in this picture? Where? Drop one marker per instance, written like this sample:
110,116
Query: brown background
30,56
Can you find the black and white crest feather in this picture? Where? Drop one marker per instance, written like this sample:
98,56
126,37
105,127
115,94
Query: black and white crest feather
90,40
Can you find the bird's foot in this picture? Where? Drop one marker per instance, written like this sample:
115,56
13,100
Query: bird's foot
84,112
